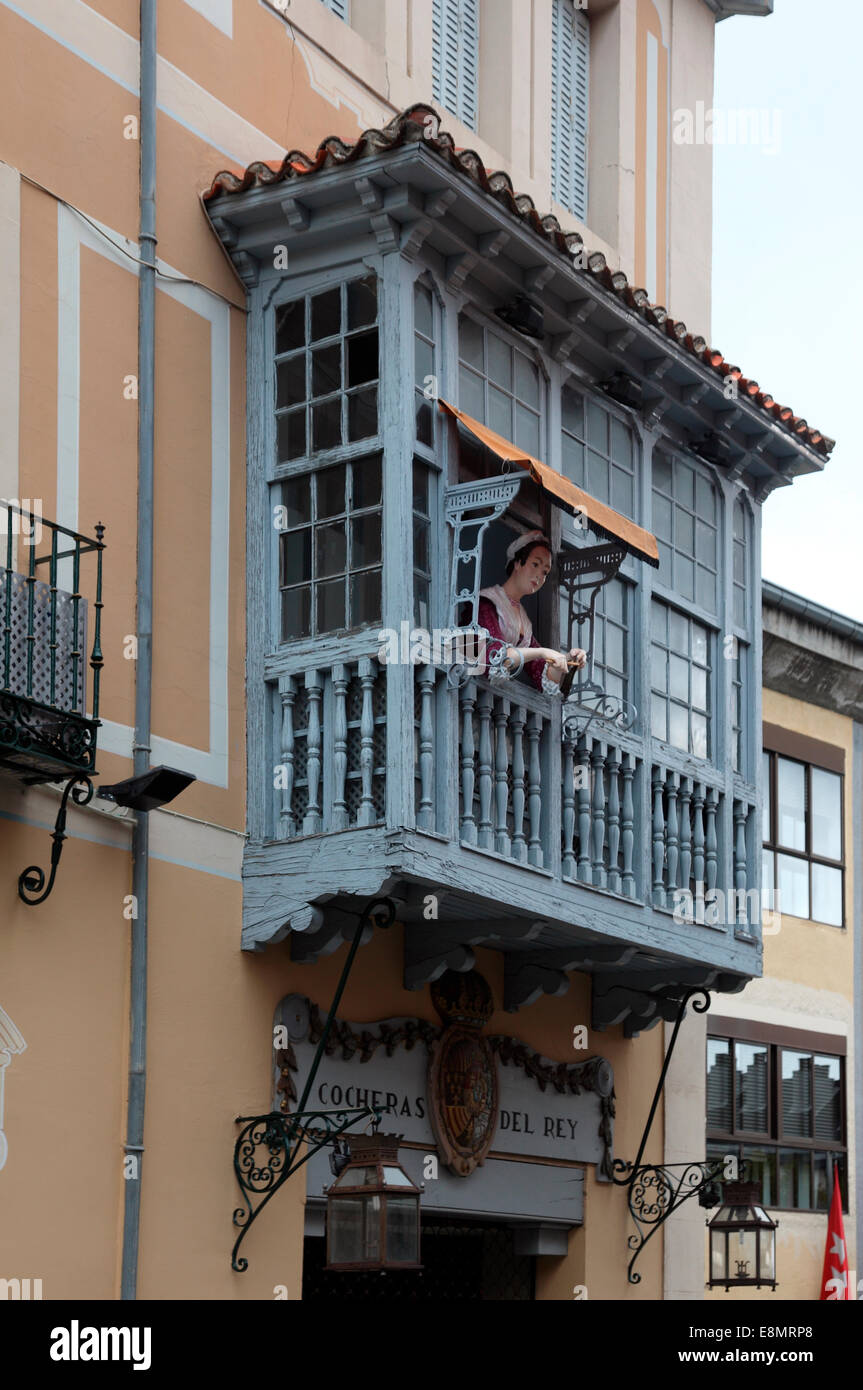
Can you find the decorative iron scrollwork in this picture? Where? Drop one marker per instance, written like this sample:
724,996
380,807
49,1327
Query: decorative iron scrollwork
31,881
588,702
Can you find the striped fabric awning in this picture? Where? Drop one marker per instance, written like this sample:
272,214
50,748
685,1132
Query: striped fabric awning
600,518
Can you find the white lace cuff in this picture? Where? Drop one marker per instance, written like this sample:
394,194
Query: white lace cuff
549,687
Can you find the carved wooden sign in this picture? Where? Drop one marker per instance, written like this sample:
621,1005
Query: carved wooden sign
452,1089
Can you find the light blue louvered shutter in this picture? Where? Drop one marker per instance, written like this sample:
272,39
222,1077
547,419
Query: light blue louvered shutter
455,57
340,8
570,70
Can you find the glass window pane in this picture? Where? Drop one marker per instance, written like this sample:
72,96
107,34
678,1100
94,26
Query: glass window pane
666,562
425,422
684,575
750,1067
662,517
295,554
719,1113
572,412
363,414
678,677
423,319
326,314
597,427
614,646
658,621
678,727
705,588
366,540
804,1182
658,664
621,491
291,435
597,476
363,302
742,1253
767,879
421,602
796,1094
331,491
366,481
296,499
330,605
705,544
327,424
621,444
699,747
739,607
402,1229
330,549
658,715
291,326
765,813
761,1168
291,381
827,895
826,813
678,632
470,341
793,885
327,370
699,688
662,472
573,460
791,804
471,394
423,361
362,358
421,545
700,648
366,598
705,499
500,412
526,429
526,380
684,535
499,362
296,613
684,480
828,1098
822,1164
787,1186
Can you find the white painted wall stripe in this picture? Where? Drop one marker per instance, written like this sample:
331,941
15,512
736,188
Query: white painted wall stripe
114,53
211,764
218,12
651,165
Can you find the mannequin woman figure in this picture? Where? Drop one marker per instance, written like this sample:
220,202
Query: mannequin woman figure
503,616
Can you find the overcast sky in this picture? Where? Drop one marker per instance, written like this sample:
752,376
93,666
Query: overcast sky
787,280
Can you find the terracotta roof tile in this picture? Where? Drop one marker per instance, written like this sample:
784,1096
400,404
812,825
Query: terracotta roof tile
422,123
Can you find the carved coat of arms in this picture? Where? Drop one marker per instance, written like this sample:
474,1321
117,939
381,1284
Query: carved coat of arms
462,1078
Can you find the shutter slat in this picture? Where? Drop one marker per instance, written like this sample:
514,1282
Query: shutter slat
455,57
570,64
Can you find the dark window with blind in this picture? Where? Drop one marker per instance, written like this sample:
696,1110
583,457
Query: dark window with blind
780,1110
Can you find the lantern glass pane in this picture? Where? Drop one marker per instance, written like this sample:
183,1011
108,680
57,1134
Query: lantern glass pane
394,1177
717,1256
768,1255
402,1230
358,1177
354,1230
741,1254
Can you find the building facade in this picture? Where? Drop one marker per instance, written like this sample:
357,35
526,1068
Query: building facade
280,418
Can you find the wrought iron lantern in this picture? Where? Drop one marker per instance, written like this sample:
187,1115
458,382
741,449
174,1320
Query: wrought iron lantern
373,1209
742,1240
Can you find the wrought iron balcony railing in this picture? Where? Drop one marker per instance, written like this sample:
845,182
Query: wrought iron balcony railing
49,707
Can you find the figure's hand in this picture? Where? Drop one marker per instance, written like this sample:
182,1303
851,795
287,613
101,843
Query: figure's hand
557,661
577,658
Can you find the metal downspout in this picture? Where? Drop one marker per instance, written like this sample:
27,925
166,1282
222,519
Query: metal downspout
134,1146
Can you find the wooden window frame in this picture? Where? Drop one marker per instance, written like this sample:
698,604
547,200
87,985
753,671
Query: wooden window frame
801,745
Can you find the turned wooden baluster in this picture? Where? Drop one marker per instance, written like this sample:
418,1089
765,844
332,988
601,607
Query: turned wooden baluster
534,789
340,746
628,826
685,832
698,838
597,758
312,822
425,812
366,671
288,694
468,820
501,777
583,796
710,807
672,835
568,818
741,913
613,765
658,840
519,843
484,705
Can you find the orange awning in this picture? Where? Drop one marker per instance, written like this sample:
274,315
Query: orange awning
601,518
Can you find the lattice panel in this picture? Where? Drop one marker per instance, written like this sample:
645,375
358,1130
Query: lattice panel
69,693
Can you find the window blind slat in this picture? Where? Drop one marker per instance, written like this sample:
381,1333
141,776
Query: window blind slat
570,69
455,58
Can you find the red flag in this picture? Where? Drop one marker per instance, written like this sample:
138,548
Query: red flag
834,1279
